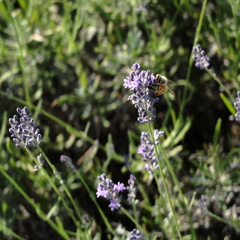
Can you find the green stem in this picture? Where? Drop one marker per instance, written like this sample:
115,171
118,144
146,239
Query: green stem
92,196
21,50
38,210
227,222
214,76
134,221
164,182
135,211
160,190
63,184
183,198
8,232
176,182
197,34
55,188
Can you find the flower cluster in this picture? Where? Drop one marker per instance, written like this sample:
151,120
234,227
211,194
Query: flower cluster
140,82
136,235
203,204
201,61
24,134
110,191
147,149
132,189
237,106
68,162
41,162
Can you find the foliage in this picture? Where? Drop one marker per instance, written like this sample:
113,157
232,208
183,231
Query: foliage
67,61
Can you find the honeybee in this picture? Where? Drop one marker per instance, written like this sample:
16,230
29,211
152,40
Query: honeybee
163,84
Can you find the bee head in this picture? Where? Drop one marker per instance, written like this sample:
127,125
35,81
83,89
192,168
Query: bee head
161,79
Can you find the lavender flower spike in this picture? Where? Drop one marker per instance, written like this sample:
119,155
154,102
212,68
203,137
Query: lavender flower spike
203,204
68,162
41,162
199,57
237,106
136,235
147,149
110,191
25,134
132,189
139,82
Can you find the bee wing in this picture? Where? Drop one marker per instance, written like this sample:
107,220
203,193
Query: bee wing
171,91
171,83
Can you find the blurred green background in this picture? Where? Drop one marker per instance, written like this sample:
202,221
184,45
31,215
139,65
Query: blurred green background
66,60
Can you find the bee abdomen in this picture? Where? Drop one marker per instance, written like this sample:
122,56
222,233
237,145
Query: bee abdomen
160,90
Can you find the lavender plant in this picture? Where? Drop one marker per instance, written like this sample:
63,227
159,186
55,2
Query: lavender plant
68,162
142,98
237,106
62,35
41,162
147,150
203,204
24,133
107,189
140,84
110,191
201,61
136,235
132,189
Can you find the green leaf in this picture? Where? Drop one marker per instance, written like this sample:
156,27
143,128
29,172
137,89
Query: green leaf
228,104
216,134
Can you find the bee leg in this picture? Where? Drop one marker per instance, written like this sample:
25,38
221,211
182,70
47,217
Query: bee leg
151,88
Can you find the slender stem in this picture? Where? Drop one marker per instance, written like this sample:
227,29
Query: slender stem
227,222
164,182
21,50
134,221
8,231
55,188
135,211
92,196
214,76
38,210
63,184
197,35
176,182
160,190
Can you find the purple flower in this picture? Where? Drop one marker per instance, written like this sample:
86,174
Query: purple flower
139,82
68,162
147,149
24,134
136,235
41,162
86,220
119,187
237,106
132,189
201,61
203,204
110,191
